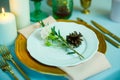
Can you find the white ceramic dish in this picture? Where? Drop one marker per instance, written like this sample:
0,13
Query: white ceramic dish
55,56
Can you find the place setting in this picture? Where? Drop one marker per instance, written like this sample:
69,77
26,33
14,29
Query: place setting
54,57
63,44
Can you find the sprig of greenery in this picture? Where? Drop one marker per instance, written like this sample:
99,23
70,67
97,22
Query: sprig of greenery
58,39
56,36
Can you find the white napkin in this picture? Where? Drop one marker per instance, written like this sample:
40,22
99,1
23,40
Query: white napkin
79,72
93,66
29,29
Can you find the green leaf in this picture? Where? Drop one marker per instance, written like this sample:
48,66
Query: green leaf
53,30
52,37
59,33
47,43
42,23
71,53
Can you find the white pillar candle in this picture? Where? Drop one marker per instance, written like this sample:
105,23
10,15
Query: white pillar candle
22,13
8,31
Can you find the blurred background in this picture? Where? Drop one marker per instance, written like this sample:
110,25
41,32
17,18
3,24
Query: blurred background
5,4
44,5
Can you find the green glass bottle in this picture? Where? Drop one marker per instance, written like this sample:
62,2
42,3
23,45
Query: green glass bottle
62,9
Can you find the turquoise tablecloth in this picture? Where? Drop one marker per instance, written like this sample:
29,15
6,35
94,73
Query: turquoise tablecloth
100,11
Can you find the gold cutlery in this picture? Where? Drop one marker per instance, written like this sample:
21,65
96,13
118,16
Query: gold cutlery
7,56
104,30
106,38
6,67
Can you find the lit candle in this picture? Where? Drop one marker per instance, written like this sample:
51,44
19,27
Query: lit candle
8,31
22,13
3,11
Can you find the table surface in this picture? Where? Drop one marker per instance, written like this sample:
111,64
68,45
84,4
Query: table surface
100,12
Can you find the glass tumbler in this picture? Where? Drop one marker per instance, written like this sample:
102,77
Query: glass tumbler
62,9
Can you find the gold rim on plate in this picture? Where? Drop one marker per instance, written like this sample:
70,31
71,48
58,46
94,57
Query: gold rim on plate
24,56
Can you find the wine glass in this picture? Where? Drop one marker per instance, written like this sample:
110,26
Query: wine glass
37,14
85,4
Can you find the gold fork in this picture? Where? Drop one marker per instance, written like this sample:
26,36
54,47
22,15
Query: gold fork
7,56
6,67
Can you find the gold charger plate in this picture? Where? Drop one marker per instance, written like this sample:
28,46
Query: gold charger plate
26,59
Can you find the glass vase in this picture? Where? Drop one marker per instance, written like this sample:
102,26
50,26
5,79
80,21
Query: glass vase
62,9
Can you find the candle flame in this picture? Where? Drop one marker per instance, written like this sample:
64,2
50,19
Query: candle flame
3,11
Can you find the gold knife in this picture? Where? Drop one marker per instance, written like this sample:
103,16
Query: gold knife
106,38
104,30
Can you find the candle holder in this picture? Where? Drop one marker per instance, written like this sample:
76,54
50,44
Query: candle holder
85,4
37,14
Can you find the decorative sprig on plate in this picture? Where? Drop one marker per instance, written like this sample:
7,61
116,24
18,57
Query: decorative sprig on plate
52,37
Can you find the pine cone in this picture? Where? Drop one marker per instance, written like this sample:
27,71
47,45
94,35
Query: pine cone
74,39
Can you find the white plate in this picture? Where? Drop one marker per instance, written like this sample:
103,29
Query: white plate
55,56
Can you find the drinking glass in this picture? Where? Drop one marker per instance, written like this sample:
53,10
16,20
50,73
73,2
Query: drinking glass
85,4
37,14
62,9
